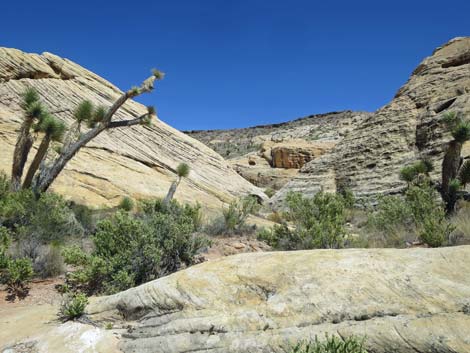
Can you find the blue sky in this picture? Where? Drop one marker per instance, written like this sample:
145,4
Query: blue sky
247,62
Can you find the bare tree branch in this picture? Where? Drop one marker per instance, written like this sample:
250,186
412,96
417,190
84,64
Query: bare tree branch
123,123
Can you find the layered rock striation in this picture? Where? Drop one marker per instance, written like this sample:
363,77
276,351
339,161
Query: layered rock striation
370,156
407,301
138,161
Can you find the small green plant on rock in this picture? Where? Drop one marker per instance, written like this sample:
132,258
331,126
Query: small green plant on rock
331,344
73,306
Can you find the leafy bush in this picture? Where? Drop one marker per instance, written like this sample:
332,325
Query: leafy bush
419,213
84,216
133,249
47,218
50,262
126,204
4,185
14,273
331,344
72,306
5,241
461,222
238,211
318,222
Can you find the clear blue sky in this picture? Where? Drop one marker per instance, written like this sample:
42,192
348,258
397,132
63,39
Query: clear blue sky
245,62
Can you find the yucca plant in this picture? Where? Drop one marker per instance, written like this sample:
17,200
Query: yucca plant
331,344
453,170
33,110
53,130
182,171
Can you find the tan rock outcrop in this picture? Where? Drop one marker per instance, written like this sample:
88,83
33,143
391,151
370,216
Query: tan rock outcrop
276,163
408,301
294,154
138,161
234,143
369,158
259,172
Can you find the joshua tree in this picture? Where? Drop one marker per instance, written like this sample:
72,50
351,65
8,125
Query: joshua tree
41,175
53,130
455,171
33,110
182,171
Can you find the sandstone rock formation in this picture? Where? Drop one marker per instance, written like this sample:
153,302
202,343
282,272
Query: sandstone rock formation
276,163
321,127
369,158
292,144
293,154
258,171
408,301
138,161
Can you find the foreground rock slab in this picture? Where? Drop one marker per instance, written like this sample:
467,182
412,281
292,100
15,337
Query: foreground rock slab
414,300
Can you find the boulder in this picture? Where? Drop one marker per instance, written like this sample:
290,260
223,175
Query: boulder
407,301
294,154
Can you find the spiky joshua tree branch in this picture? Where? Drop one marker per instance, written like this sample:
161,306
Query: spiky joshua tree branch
40,176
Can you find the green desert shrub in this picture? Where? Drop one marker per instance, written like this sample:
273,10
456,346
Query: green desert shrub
4,185
461,222
126,204
15,273
84,215
331,344
5,241
35,223
47,218
73,306
133,249
317,222
418,214
50,262
236,214
270,192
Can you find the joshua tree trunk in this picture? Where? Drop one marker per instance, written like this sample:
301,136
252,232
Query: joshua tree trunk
171,192
450,168
20,155
40,154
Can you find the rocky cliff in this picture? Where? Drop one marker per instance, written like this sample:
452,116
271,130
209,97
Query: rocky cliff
138,161
270,155
234,143
370,156
407,301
